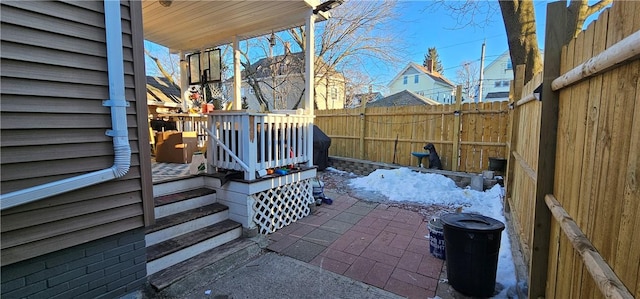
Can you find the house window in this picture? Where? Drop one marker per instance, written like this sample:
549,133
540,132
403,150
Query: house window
509,65
404,80
416,79
334,94
505,83
497,84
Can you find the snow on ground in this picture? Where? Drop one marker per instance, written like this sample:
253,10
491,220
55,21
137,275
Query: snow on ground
335,170
404,185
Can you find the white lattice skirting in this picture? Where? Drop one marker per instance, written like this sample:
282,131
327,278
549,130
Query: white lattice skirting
278,207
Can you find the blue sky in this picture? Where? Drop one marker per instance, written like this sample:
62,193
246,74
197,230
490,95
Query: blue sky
422,26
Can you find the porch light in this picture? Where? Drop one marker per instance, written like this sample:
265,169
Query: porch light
327,6
165,3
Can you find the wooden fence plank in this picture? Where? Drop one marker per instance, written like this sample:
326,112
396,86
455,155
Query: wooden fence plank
565,273
585,209
579,109
589,153
577,126
610,109
517,85
456,130
621,136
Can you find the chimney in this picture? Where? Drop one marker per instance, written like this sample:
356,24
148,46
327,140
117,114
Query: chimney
430,65
287,48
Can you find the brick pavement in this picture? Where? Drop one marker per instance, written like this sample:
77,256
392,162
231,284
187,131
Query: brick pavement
373,243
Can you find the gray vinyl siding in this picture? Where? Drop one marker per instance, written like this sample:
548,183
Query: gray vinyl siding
52,123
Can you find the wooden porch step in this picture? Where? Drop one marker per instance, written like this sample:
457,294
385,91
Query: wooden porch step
178,243
186,216
180,196
215,261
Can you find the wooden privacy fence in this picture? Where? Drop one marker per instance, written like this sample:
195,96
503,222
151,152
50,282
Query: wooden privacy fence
574,167
597,165
474,132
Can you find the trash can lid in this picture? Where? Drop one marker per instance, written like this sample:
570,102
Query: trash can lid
472,222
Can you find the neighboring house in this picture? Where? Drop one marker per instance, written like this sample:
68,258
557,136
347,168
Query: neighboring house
286,73
424,81
161,93
403,98
497,78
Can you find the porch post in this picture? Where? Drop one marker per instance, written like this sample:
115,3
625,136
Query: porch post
184,80
309,67
237,76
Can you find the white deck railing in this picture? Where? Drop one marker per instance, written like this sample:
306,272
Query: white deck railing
254,142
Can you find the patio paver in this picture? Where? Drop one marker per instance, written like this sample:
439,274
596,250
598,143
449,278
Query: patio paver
377,244
321,237
303,250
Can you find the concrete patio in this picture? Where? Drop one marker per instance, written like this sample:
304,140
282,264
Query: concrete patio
374,243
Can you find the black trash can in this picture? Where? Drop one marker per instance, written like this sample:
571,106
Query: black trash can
472,245
497,164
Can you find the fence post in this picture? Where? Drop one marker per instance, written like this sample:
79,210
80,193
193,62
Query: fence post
518,85
555,38
363,128
456,130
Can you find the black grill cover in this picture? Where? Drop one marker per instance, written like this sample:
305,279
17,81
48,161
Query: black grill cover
321,144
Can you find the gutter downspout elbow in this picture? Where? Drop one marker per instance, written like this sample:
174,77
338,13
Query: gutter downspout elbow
122,161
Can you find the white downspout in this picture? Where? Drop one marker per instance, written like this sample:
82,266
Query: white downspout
118,104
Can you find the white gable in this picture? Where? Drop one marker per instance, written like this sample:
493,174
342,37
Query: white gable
414,79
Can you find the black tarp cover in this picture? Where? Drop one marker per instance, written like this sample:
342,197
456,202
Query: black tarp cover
321,144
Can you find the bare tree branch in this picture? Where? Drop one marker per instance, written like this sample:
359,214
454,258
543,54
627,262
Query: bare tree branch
358,33
467,13
596,7
468,76
161,68
520,24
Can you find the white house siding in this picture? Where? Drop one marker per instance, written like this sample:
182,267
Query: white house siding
497,77
426,85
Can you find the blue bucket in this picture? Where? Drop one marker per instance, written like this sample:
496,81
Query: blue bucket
436,238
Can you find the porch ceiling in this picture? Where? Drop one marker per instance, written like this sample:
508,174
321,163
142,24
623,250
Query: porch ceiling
193,25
